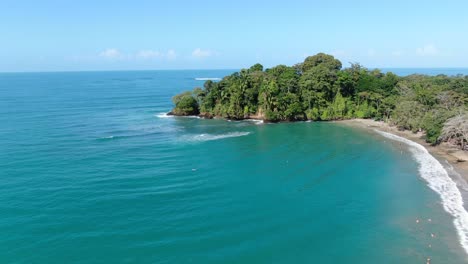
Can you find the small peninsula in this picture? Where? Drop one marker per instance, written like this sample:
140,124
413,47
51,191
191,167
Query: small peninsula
319,89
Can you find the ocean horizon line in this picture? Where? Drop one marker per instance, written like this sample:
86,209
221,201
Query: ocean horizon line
465,68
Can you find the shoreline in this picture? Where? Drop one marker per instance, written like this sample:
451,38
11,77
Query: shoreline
439,166
457,158
447,180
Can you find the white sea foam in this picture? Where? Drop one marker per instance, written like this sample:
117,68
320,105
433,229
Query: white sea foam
162,115
209,137
108,137
256,121
165,115
438,179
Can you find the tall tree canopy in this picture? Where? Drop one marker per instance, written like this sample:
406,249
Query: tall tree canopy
318,89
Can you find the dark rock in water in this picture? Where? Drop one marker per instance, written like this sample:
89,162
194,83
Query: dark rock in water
270,121
176,112
206,115
173,113
235,118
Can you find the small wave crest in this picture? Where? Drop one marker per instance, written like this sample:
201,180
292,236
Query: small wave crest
162,115
104,138
165,115
255,121
208,79
209,137
438,179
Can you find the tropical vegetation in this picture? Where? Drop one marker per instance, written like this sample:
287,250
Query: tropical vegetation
320,89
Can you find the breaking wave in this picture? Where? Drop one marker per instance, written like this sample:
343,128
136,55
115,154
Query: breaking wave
165,115
255,121
438,179
209,137
162,115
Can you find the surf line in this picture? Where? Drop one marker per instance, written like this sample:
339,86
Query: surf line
437,178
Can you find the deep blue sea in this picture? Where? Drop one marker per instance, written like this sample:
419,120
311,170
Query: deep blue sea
93,171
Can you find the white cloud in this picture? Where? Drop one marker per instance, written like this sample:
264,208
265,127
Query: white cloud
111,54
148,54
153,54
427,50
199,53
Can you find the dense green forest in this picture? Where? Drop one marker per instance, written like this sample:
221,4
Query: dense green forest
319,89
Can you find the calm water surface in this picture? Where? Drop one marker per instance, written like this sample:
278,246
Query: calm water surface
93,172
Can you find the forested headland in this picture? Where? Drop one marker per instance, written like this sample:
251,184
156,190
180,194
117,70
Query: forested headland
319,89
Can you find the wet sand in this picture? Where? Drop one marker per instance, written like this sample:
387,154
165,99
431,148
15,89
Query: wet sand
454,156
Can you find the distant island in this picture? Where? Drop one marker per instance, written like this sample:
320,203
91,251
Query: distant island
319,89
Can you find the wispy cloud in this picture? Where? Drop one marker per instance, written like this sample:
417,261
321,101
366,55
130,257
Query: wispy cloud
200,53
148,54
427,50
144,54
111,54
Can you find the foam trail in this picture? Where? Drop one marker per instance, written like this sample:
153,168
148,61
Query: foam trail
163,115
209,137
208,78
438,180
256,121
108,137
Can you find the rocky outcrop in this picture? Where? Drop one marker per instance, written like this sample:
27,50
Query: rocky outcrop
181,113
206,115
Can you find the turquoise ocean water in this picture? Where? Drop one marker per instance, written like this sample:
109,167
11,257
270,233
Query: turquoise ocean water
92,171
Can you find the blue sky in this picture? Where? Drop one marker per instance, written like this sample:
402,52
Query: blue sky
135,35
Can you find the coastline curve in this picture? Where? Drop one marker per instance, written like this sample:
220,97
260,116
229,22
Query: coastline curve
438,179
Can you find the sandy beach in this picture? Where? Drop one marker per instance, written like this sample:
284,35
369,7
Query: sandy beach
456,157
